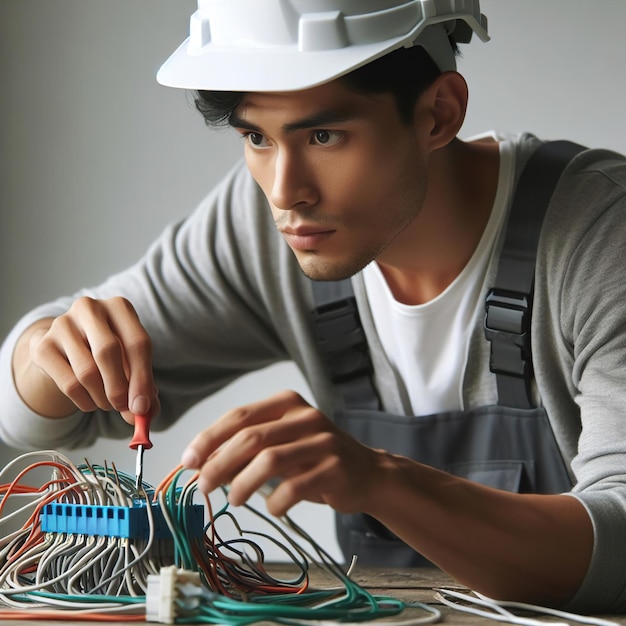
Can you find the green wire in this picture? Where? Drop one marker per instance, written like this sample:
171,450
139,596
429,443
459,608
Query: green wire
348,602
176,511
83,597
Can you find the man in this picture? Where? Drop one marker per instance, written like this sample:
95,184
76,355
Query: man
356,162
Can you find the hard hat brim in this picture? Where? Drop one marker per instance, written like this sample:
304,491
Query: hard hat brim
265,69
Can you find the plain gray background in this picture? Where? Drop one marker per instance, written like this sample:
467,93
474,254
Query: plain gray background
96,157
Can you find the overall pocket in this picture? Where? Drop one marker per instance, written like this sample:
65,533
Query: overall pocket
502,447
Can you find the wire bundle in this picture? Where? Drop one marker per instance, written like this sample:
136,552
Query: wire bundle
63,575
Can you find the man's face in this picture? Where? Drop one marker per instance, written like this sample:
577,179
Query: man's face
341,171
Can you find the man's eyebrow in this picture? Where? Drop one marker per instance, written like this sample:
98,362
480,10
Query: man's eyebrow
317,120
238,122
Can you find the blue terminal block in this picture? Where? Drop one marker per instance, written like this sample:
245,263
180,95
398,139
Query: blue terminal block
117,521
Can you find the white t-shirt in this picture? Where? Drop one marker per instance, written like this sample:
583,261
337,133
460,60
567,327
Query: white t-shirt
427,344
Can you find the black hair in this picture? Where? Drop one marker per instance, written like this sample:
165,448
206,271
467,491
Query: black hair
406,73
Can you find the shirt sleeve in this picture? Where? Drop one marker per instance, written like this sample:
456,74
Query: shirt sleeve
582,359
202,293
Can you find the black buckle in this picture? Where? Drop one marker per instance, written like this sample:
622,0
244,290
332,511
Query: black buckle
341,337
507,327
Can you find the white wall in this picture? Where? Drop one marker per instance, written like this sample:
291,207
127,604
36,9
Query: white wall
96,157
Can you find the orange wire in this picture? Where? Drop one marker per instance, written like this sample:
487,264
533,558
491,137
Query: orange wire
212,567
17,479
68,616
36,536
165,483
20,489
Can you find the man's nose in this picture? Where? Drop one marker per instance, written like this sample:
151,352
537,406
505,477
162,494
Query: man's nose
294,184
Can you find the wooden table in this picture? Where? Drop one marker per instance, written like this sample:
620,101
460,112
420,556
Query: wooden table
419,584
409,585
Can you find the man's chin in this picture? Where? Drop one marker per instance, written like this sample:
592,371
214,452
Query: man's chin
328,271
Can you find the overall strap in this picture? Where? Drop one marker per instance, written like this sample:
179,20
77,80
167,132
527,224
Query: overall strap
509,301
343,343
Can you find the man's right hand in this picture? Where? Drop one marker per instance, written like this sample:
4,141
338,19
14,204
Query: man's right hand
95,356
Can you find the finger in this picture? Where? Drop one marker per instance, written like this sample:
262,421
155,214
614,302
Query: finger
109,361
137,350
282,461
107,382
210,439
58,353
334,479
310,486
260,445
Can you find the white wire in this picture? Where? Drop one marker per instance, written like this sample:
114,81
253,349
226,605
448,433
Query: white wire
12,540
53,455
9,575
81,608
71,564
575,617
96,550
57,544
129,564
499,612
31,504
66,567
114,583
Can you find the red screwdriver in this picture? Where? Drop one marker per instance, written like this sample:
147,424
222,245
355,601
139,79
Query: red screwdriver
140,442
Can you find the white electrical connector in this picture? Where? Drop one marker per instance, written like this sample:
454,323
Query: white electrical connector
164,592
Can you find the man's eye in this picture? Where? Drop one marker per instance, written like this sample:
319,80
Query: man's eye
326,137
256,139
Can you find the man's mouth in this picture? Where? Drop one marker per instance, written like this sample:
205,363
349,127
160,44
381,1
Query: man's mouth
305,237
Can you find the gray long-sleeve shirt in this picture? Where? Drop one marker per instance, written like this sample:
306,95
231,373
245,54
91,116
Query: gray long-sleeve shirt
221,294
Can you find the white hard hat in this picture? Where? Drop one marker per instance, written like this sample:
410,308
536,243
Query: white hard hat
285,45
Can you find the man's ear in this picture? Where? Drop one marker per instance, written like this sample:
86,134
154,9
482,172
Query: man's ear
445,104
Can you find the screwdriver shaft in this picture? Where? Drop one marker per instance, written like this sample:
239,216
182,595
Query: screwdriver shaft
139,466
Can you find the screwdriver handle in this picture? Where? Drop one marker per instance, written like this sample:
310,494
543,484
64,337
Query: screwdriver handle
141,436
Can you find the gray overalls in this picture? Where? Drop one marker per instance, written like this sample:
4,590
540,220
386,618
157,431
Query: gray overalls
509,445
